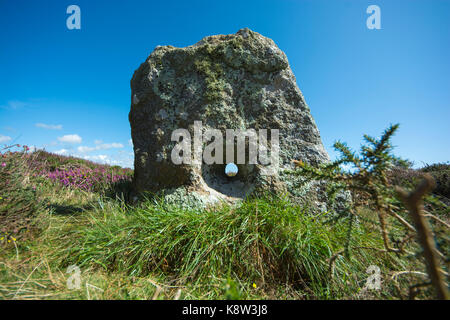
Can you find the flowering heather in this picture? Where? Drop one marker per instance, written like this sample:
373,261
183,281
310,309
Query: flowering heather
78,173
86,178
21,174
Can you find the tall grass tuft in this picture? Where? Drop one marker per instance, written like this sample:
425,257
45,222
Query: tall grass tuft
263,241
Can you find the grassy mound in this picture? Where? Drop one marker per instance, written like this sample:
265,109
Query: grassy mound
268,242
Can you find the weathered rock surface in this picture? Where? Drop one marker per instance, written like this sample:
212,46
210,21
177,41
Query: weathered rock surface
238,81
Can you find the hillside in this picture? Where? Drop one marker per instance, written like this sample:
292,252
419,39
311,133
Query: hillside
57,212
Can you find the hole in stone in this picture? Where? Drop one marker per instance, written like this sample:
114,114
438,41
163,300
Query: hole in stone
237,185
231,170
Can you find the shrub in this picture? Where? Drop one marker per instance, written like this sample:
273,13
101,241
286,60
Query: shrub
409,177
441,174
18,201
366,176
371,177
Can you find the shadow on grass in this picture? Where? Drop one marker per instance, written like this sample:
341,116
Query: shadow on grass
64,210
121,190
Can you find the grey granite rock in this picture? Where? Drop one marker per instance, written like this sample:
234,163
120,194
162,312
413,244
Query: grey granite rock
238,81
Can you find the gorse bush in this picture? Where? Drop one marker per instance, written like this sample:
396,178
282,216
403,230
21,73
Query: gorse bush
367,177
371,177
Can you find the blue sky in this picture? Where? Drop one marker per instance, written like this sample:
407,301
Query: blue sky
68,90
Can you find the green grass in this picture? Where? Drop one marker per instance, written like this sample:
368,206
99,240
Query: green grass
261,241
262,248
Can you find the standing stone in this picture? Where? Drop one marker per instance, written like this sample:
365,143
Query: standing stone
237,81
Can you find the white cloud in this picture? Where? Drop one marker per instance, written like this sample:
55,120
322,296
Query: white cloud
84,149
123,159
62,151
125,162
100,157
98,141
101,146
105,146
70,138
130,142
4,138
49,126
